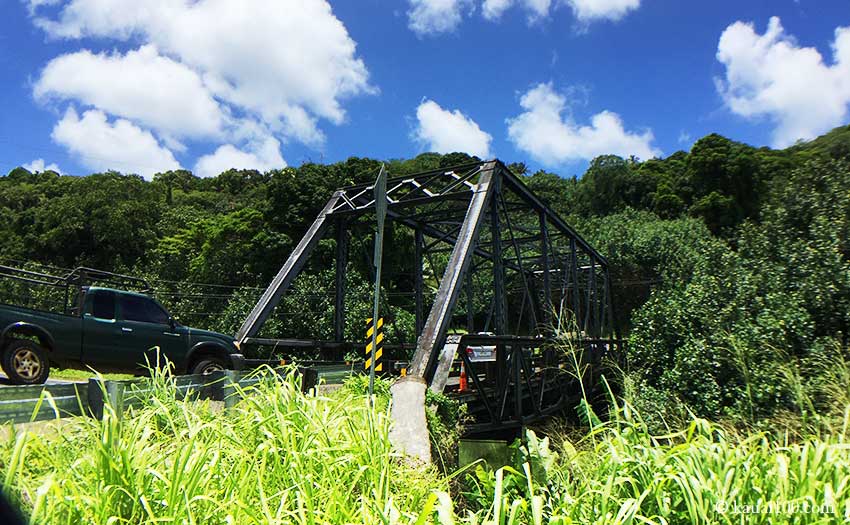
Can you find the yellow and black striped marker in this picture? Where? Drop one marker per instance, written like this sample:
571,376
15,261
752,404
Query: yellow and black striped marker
379,344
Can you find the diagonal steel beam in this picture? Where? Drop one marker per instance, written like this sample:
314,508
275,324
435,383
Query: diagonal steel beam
522,191
437,324
287,273
435,233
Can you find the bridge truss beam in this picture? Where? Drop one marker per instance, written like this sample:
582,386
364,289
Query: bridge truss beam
526,272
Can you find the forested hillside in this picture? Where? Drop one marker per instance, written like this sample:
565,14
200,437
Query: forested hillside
731,263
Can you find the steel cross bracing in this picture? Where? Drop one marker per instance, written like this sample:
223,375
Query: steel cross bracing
520,271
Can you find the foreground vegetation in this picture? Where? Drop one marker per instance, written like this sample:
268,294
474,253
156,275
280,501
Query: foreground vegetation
284,457
278,457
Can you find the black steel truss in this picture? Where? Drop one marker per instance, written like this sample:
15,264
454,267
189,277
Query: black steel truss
507,249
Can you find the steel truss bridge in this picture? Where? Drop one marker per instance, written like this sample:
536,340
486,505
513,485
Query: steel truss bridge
529,284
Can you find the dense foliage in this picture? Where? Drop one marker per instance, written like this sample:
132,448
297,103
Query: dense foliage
732,272
730,263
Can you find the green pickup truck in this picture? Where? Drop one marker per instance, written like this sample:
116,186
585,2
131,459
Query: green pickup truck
108,330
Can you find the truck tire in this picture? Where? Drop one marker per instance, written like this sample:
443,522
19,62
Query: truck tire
25,362
208,365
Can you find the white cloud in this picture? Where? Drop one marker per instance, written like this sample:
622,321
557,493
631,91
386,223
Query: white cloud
38,165
113,18
771,76
288,63
436,16
120,146
584,10
537,9
590,10
493,9
445,131
141,85
262,155
542,132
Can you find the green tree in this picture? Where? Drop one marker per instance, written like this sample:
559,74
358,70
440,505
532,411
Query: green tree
610,185
725,179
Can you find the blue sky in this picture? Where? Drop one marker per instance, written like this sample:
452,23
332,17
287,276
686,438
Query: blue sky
146,86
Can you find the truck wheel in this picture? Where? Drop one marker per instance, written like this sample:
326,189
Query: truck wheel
208,365
25,362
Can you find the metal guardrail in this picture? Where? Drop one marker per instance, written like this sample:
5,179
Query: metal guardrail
23,404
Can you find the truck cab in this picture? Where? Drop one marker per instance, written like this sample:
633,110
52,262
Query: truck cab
123,329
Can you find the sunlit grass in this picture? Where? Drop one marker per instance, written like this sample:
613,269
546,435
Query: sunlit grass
280,456
700,475
71,374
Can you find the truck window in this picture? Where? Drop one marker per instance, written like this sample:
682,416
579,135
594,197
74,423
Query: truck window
141,309
102,305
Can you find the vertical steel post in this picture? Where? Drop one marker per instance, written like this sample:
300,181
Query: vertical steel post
576,300
588,326
500,305
419,240
380,190
115,395
96,390
544,263
592,299
339,288
613,330
516,362
597,303
603,302
470,315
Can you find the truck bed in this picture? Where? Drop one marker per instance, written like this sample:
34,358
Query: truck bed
65,330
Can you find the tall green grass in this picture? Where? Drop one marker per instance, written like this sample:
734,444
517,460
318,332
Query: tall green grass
280,456
620,474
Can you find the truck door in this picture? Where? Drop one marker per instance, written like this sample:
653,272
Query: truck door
102,335
146,325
